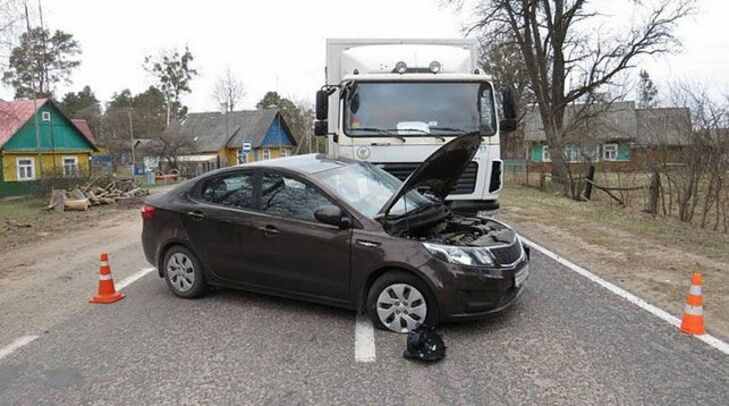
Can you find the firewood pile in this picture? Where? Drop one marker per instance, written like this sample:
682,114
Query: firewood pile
99,191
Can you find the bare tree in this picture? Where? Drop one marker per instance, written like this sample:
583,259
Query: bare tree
228,90
698,173
169,145
569,58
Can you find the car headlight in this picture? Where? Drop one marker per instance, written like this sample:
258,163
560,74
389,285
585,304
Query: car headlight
472,256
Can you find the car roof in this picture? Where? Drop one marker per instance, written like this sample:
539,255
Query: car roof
307,164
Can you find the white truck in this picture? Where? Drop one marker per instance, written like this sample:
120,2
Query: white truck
393,102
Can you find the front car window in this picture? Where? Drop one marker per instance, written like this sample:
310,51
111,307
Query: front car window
418,108
284,196
367,188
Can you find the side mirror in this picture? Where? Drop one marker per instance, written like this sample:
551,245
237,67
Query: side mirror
508,122
321,128
332,215
322,105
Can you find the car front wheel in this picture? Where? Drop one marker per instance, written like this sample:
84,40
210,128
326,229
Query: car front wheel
399,302
183,272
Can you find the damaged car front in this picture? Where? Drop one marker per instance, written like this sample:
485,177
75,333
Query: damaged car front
471,266
482,261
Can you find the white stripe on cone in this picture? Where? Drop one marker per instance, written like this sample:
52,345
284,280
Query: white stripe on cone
695,290
694,310
105,277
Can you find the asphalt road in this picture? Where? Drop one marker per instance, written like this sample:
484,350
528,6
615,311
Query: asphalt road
568,341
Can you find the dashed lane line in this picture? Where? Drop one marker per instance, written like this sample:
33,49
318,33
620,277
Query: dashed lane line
15,345
133,278
364,340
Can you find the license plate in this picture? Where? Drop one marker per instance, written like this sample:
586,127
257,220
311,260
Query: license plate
521,276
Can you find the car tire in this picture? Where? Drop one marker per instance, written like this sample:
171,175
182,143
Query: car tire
183,273
400,297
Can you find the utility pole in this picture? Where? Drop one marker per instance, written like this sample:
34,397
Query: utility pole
35,103
131,138
227,129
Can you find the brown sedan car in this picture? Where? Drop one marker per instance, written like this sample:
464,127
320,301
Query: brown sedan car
339,232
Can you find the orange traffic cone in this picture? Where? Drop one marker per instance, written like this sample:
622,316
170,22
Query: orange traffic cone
107,293
693,314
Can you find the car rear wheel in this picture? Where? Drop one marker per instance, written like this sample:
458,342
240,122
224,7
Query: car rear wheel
183,272
399,302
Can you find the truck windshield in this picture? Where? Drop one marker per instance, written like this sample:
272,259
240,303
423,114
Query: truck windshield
418,108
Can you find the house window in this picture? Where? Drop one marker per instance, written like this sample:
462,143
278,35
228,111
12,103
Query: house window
284,152
26,168
546,157
610,152
573,153
266,153
70,166
46,116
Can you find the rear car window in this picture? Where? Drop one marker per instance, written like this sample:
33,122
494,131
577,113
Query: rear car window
287,197
234,190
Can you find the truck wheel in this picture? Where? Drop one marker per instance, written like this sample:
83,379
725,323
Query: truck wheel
399,302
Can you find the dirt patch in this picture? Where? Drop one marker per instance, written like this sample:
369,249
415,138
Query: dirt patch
40,225
652,258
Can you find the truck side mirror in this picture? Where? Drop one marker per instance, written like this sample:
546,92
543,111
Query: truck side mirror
322,105
508,122
321,128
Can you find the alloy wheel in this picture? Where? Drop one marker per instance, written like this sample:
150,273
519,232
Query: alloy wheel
181,272
401,307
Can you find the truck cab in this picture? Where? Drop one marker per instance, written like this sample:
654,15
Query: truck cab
394,102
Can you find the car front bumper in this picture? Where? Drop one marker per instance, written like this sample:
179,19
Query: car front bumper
470,295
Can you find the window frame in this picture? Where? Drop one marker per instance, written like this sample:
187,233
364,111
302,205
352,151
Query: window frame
617,152
76,171
546,155
45,116
31,166
266,154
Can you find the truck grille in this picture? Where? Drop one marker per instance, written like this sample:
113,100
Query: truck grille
466,183
507,255
495,177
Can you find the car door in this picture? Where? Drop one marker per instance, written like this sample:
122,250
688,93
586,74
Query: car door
303,255
221,227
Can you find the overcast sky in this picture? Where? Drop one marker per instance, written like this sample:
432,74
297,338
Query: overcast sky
279,44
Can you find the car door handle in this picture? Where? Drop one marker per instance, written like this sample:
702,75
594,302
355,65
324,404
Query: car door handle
269,230
196,214
368,244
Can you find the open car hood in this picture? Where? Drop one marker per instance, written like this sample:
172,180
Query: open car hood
440,171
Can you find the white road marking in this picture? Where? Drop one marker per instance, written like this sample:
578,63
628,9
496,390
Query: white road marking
658,312
133,278
364,340
15,345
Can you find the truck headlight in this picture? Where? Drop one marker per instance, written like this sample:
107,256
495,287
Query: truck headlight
472,256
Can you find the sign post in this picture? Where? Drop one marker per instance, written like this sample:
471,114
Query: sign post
244,152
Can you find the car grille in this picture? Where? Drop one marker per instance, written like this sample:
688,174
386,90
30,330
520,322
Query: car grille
507,255
466,183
